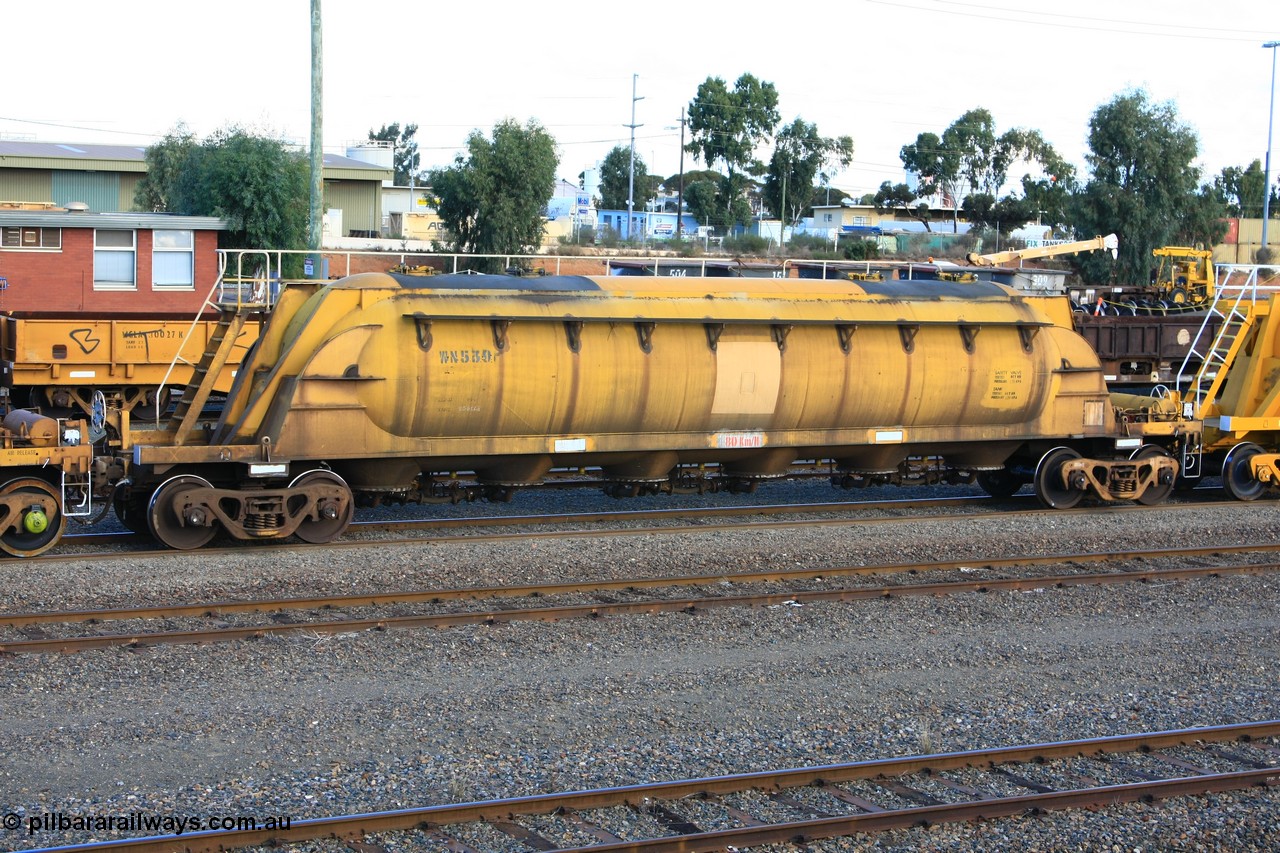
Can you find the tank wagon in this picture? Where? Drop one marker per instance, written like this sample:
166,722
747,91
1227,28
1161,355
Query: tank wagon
385,387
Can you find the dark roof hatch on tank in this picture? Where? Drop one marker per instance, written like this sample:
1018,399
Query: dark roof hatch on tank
463,281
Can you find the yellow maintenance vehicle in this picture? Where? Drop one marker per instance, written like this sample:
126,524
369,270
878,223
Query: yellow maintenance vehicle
1185,275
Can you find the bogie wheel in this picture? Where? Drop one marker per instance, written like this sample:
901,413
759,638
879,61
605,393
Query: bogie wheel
333,519
171,522
1048,481
38,531
1159,492
1000,483
131,512
151,408
1237,480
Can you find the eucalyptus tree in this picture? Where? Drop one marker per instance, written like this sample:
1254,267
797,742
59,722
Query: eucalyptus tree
726,126
406,158
1144,186
615,180
494,200
258,184
802,159
969,158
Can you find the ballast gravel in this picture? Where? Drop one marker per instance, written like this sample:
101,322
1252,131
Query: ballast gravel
307,725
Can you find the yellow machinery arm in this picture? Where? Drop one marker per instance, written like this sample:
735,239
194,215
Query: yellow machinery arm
1109,242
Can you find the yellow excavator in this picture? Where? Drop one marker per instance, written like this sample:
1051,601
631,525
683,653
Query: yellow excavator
1108,243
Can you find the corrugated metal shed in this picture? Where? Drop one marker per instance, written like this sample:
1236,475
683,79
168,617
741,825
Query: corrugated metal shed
106,177
360,203
99,190
26,185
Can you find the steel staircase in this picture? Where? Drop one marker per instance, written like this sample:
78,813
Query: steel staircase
217,353
237,299
1233,305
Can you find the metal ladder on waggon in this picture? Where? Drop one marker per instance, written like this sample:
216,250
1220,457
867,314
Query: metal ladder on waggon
1215,350
237,299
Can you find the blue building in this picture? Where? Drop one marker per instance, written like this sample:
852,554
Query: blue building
645,224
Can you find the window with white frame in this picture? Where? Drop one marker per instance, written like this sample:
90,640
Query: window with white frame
859,220
173,260
114,259
27,237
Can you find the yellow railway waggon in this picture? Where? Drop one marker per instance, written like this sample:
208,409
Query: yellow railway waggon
57,363
380,387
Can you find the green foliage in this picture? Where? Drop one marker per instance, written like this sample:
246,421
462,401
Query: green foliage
167,170
970,158
406,150
700,197
983,210
732,207
615,181
257,185
893,196
861,250
494,201
690,176
1144,187
808,245
800,158
1242,190
746,244
726,126
260,187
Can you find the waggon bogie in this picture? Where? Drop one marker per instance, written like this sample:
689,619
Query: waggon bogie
186,511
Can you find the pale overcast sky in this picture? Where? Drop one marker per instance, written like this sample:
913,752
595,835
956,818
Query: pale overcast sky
880,71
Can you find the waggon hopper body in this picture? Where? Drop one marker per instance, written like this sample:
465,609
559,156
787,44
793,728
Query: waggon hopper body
379,386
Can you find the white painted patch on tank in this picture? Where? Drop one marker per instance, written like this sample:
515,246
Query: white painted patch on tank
748,377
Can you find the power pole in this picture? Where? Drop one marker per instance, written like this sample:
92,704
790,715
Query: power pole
1266,172
631,177
317,137
680,194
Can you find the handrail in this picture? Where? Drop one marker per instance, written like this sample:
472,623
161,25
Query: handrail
261,291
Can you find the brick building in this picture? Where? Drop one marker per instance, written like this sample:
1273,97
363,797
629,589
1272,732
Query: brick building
56,261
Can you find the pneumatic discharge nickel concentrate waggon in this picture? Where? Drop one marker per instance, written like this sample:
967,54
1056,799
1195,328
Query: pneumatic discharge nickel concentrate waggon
381,388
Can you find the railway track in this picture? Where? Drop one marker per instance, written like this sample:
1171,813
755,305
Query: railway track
314,613
802,804
366,534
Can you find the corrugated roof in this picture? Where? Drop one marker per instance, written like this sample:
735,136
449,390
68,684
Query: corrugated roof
68,219
133,154
71,150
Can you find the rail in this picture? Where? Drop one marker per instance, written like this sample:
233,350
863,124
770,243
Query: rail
800,804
